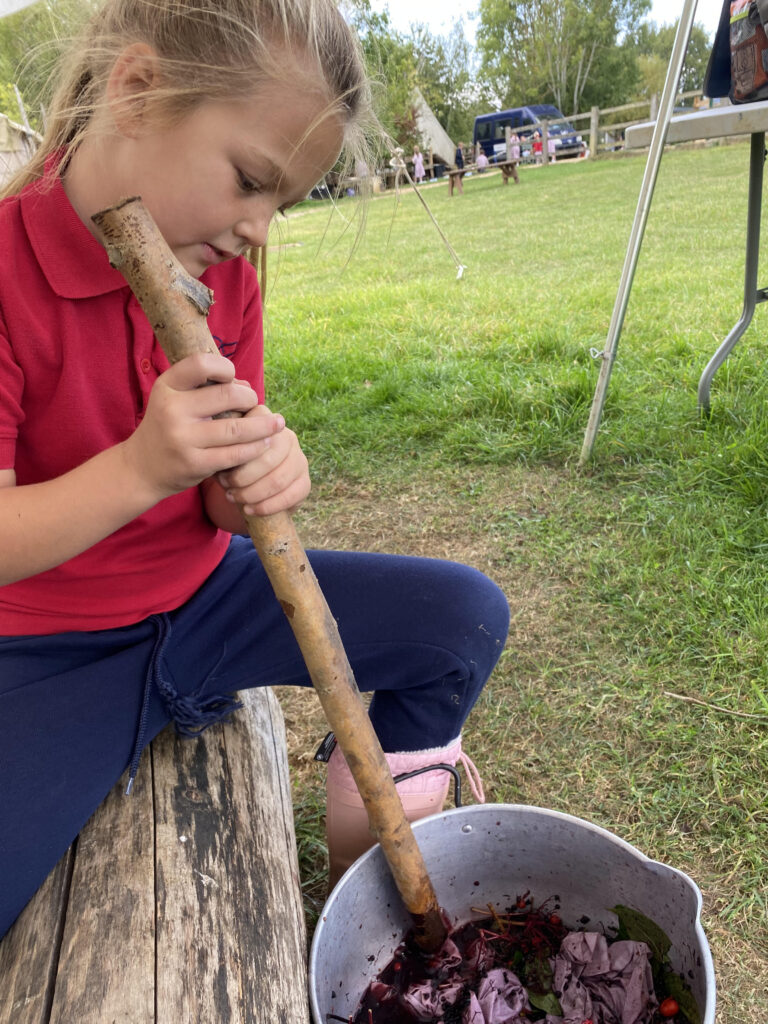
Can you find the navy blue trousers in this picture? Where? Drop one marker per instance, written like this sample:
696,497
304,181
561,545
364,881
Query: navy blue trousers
76,709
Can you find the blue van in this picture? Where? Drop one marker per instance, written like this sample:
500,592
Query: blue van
489,131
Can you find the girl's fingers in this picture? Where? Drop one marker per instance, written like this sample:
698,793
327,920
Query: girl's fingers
215,399
198,369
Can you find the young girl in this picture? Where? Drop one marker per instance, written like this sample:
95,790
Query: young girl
125,600
418,165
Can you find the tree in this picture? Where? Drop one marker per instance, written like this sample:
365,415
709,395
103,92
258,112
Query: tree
440,66
653,45
539,50
391,67
443,66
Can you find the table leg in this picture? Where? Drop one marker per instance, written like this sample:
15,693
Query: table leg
751,294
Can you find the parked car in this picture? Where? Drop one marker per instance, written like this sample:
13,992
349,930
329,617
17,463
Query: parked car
490,131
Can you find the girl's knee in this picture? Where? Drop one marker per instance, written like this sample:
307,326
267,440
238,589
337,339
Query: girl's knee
483,600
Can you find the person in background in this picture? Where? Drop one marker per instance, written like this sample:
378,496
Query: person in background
538,147
418,165
482,162
459,157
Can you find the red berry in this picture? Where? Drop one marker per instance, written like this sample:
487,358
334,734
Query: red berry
587,1021
555,919
669,1007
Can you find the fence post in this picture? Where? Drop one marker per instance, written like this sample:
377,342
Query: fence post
508,141
594,118
431,165
654,107
544,142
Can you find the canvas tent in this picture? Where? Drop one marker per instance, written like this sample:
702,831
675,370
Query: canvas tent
433,135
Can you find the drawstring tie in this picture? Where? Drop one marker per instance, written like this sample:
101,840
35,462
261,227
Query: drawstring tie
473,775
189,714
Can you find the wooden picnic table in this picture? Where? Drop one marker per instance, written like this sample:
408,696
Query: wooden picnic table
179,904
508,170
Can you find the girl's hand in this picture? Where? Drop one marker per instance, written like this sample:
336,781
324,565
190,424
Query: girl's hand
178,443
277,478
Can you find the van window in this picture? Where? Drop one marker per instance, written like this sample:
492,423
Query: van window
483,130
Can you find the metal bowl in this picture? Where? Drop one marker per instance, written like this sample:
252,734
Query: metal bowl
491,853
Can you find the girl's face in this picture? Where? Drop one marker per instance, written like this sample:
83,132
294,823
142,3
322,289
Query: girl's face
214,181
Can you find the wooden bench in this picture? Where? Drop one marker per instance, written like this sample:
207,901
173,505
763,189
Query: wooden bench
179,904
508,170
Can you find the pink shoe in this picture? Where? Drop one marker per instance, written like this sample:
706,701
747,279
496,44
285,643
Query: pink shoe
346,819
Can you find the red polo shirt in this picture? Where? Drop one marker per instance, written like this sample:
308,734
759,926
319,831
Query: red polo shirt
77,362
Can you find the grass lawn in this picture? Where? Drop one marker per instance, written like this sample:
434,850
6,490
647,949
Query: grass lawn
446,416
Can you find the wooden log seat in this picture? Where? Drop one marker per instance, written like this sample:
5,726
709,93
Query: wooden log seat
179,904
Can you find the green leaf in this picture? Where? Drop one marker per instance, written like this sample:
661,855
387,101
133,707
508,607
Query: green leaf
637,927
548,1002
675,986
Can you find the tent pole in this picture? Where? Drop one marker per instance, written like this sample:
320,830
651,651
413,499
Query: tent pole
655,152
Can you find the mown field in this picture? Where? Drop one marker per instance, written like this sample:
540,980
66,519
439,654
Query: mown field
446,417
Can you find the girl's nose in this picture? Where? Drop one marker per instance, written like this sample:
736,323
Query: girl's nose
254,228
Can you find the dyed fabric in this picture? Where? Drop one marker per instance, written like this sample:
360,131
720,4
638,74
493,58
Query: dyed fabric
594,981
602,982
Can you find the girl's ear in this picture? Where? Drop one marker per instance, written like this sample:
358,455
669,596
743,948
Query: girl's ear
134,75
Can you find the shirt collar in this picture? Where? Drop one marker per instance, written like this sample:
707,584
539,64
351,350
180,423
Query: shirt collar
75,264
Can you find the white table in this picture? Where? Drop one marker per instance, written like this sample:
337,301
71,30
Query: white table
745,119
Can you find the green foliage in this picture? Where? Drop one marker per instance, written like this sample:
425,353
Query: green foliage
392,68
550,50
31,42
440,66
9,105
639,928
653,46
444,75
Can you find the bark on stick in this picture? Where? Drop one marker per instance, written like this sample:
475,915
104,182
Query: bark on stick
177,305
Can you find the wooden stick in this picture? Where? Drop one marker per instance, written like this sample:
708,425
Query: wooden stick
177,305
715,707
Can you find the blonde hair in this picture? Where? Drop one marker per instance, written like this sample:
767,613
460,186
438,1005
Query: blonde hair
207,50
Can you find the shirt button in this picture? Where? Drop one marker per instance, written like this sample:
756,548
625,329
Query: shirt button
146,365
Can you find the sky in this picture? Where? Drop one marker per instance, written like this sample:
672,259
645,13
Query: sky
440,15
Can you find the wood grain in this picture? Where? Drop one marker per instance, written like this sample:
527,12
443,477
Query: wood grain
231,941
180,904
107,963
29,952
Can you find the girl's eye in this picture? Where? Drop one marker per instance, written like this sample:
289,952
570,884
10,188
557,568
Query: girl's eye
247,184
